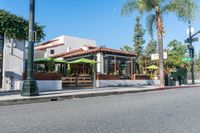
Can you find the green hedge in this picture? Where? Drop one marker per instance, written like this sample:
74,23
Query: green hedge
16,27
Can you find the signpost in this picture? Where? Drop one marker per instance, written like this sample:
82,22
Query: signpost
192,40
186,59
156,56
191,49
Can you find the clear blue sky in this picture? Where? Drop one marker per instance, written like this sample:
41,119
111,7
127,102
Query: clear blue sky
99,20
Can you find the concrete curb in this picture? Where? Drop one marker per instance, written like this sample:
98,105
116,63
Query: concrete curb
39,99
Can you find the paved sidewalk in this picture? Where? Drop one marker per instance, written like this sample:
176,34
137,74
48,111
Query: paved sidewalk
12,98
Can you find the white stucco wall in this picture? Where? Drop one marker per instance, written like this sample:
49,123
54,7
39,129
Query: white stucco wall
100,63
70,43
13,63
113,83
76,42
43,85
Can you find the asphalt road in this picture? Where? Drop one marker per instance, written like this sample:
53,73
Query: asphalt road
170,111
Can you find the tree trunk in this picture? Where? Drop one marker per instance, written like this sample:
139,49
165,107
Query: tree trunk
161,60
160,31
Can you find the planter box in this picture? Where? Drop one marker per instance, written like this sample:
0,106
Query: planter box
141,77
45,76
108,77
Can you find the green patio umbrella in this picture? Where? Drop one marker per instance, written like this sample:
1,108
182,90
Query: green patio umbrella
88,61
46,60
153,67
83,60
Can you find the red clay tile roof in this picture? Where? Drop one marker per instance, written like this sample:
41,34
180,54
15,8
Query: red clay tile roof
90,47
45,43
65,53
45,47
79,52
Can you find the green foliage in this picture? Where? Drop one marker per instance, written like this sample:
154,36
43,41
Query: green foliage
126,48
151,48
138,42
68,71
197,62
184,9
138,38
155,11
17,27
51,65
176,52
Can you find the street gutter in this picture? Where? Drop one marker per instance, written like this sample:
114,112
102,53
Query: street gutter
17,99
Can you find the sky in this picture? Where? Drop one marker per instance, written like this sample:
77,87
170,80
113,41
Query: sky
98,20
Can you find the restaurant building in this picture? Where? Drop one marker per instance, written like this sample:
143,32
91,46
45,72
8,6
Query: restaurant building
113,67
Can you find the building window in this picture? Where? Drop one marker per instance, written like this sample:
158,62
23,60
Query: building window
68,48
52,51
117,66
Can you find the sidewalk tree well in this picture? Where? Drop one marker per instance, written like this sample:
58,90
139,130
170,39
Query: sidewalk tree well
16,27
155,11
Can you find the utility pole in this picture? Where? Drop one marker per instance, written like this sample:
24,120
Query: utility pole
30,87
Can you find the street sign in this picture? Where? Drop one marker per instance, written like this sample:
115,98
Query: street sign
191,40
156,56
186,59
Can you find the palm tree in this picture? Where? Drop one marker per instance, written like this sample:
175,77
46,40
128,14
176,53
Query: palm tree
126,48
155,10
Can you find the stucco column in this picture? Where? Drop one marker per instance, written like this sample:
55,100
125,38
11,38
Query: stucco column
100,63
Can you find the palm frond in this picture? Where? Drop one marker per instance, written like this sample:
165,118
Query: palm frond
129,7
150,23
184,9
168,8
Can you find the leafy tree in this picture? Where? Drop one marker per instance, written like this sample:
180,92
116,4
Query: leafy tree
197,62
176,52
17,27
138,42
155,10
138,38
151,48
126,48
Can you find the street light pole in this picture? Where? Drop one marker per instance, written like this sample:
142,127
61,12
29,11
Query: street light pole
191,53
30,85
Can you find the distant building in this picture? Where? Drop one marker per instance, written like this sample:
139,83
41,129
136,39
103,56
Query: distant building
12,62
61,44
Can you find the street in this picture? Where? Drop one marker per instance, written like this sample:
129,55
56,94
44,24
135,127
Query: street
168,111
